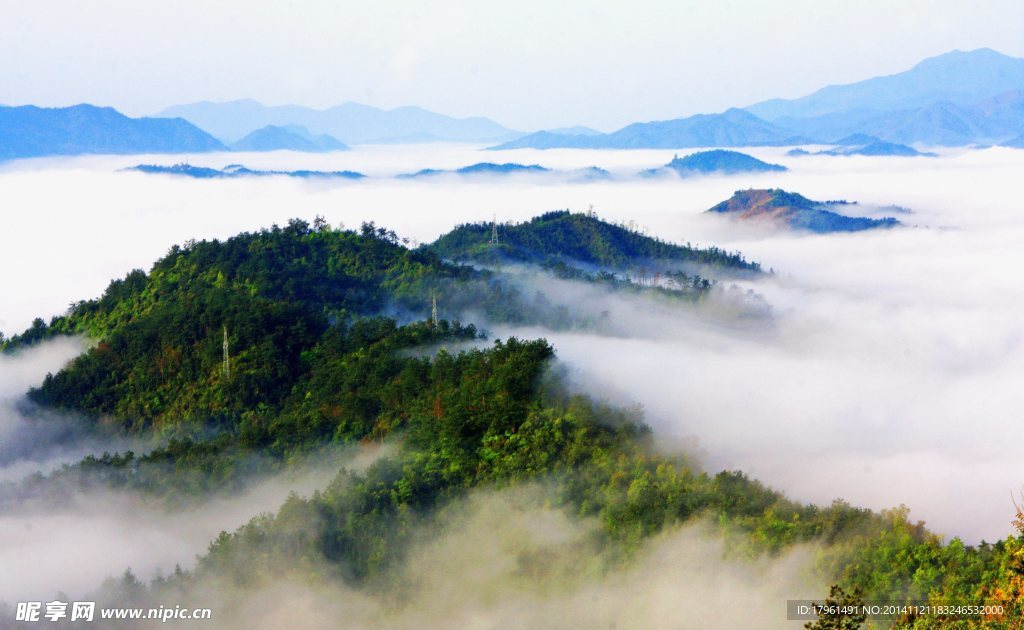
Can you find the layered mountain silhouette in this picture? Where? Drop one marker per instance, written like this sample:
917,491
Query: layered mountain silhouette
481,168
291,138
988,121
954,99
732,128
862,144
960,78
238,170
794,211
352,123
575,130
30,131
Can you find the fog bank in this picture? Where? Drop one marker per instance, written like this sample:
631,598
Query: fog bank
888,374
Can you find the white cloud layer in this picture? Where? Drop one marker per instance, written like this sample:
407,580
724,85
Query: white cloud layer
890,375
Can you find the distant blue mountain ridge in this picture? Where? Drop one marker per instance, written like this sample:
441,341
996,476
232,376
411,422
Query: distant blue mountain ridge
863,144
732,128
237,170
957,77
955,99
30,131
352,123
590,173
289,137
481,168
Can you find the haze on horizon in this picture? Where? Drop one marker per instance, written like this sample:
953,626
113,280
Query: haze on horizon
532,66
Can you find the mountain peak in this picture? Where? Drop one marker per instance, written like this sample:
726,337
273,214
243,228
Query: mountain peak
959,77
31,131
288,137
957,54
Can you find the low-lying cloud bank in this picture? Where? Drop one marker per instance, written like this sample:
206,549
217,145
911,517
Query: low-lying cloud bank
888,373
506,560
94,534
34,440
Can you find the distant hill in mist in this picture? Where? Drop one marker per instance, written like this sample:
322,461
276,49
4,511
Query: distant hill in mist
869,146
717,161
733,128
575,130
291,138
481,168
794,211
30,131
959,78
351,123
237,170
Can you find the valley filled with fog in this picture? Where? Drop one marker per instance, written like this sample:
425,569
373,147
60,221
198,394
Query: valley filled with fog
888,372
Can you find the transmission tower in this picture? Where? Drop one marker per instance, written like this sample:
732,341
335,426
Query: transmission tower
494,230
227,357
433,310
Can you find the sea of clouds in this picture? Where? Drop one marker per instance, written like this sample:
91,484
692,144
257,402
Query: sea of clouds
889,373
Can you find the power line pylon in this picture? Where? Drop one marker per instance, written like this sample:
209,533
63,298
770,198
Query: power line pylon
227,356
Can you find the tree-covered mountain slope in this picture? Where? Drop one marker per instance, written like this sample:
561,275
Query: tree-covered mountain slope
577,238
271,296
309,365
491,420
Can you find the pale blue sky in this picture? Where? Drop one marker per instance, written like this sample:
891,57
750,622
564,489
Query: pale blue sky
527,64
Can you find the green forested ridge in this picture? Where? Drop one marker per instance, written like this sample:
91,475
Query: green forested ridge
568,237
276,293
314,365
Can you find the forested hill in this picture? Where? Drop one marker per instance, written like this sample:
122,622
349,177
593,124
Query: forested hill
272,295
575,237
310,366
